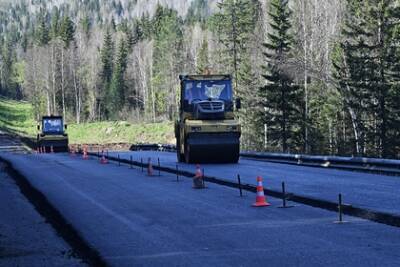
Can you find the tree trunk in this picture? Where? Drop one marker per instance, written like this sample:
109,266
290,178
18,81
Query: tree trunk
53,77
62,82
305,59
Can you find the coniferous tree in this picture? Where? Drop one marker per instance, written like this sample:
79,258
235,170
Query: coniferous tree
86,25
67,31
106,54
168,39
370,59
55,23
280,96
106,72
116,96
234,25
8,59
42,30
202,58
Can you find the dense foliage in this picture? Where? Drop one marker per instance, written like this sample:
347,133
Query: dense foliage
314,76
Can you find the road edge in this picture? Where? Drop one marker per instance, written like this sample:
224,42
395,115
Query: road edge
80,247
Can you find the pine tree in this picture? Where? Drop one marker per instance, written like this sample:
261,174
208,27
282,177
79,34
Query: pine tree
202,58
55,23
234,25
8,59
371,60
42,31
145,26
86,25
106,72
167,57
281,98
106,54
116,96
67,31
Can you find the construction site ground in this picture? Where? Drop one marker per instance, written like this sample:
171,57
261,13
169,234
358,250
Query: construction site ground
132,219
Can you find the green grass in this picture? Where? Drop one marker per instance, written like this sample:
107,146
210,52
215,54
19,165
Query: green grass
121,132
17,117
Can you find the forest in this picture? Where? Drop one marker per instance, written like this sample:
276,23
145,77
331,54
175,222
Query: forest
314,76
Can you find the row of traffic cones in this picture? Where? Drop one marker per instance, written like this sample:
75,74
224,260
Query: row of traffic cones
42,150
198,179
103,159
73,151
261,201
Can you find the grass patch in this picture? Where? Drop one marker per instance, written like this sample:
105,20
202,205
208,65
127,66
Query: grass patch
121,132
17,117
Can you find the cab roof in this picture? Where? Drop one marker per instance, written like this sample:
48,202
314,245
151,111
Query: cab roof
51,117
197,77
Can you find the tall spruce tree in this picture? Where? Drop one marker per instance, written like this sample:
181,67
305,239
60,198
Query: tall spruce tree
371,59
106,72
42,30
167,58
234,25
106,55
55,23
67,31
116,94
203,60
281,98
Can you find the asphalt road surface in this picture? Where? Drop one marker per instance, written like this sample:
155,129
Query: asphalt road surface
135,220
364,190
26,239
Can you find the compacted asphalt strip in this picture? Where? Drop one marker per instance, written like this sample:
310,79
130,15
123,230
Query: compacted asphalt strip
26,239
363,190
131,219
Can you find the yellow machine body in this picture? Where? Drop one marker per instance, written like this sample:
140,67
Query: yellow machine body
207,130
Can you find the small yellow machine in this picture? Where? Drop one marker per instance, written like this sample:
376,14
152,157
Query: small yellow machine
207,130
52,134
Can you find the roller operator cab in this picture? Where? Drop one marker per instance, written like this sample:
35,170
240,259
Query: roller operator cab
207,130
52,134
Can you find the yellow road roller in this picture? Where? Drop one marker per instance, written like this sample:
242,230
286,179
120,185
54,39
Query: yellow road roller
206,130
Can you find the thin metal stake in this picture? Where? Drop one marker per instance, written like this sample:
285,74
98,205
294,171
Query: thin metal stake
130,162
283,195
284,198
177,173
340,208
159,171
240,185
202,180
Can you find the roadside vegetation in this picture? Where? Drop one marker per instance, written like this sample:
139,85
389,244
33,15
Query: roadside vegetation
17,117
314,77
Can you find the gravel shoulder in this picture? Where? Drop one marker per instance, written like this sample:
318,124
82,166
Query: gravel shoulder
25,237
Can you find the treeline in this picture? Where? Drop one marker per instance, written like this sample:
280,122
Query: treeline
316,77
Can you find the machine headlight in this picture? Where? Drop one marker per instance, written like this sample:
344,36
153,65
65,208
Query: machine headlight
196,129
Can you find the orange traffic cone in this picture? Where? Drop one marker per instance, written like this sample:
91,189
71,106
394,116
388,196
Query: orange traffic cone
103,159
198,181
260,199
149,168
85,154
